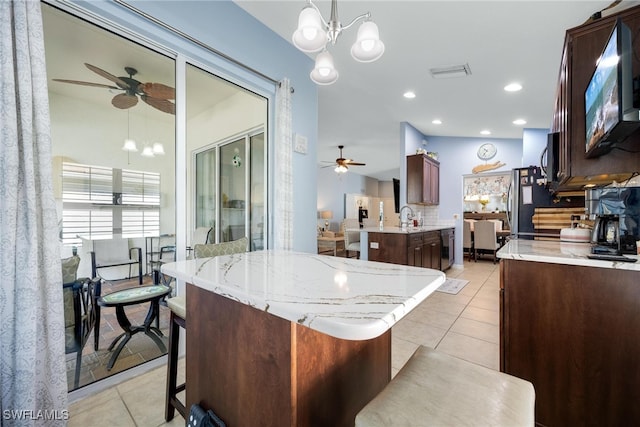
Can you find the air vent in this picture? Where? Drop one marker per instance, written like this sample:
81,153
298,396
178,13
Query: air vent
451,72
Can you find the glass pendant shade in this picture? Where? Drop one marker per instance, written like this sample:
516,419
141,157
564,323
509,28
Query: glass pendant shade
310,35
341,169
368,46
147,152
324,72
129,145
158,148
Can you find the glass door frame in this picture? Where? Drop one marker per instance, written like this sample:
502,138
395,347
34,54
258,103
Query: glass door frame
247,136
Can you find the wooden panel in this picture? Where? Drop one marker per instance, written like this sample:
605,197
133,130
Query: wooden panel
255,369
392,248
423,176
336,378
573,332
238,359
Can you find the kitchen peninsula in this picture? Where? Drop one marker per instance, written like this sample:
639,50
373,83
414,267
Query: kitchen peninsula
570,325
293,339
430,246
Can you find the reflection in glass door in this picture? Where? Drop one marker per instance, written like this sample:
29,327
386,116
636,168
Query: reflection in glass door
225,138
241,163
233,179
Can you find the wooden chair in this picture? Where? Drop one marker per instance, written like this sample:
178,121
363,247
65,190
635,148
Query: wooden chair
467,238
85,314
485,238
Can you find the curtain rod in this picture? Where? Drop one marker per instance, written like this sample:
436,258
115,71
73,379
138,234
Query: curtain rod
195,41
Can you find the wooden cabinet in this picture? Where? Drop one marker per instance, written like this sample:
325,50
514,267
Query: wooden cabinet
414,249
582,48
573,332
423,180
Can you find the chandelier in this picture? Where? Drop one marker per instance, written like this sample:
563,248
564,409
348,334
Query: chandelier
314,33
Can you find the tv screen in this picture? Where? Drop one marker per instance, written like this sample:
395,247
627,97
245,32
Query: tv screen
602,96
608,98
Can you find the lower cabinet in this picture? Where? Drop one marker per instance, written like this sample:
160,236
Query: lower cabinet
415,249
573,332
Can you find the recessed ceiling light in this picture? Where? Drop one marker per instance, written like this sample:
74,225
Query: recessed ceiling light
520,122
409,95
513,87
485,132
436,122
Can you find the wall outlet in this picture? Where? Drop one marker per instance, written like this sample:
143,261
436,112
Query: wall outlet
373,245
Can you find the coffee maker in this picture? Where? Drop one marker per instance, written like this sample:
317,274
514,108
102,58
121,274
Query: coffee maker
362,214
605,237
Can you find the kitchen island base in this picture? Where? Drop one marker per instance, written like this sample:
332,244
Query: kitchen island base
253,368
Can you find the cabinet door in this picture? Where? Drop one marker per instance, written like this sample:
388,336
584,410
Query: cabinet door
388,247
415,250
423,176
434,184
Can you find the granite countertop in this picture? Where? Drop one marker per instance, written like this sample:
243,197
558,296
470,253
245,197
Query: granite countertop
557,252
342,297
409,230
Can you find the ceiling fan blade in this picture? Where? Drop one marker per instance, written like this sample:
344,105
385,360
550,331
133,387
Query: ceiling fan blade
77,82
157,90
108,76
161,104
354,164
124,101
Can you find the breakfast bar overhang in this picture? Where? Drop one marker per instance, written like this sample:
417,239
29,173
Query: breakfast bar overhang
293,339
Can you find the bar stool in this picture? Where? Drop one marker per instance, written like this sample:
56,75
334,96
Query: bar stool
177,305
436,389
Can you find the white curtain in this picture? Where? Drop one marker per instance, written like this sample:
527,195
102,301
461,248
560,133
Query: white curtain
283,214
33,383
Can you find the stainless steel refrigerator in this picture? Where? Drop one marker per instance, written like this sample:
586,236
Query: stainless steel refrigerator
527,192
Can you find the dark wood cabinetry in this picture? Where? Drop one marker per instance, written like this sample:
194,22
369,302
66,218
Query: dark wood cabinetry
573,332
423,180
583,45
415,249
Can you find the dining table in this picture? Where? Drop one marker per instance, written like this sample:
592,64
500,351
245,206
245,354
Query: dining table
288,338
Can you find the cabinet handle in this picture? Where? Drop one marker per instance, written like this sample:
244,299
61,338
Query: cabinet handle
433,244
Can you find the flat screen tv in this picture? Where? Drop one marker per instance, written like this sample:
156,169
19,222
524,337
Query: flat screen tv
610,115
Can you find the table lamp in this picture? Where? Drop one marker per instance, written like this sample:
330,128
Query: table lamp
326,215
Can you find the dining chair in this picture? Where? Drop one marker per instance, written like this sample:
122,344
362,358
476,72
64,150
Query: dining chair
178,319
485,238
351,238
81,318
467,238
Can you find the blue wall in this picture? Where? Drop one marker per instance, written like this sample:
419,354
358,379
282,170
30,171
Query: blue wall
229,29
534,141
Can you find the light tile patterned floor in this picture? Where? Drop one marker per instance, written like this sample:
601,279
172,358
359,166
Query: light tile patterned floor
465,325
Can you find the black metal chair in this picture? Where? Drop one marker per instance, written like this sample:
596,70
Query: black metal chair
85,314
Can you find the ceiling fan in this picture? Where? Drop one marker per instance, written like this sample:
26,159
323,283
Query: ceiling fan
155,94
342,164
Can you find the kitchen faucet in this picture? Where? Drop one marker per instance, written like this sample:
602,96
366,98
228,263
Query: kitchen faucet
403,224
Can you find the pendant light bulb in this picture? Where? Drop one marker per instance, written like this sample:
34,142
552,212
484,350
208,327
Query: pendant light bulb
368,46
310,35
324,73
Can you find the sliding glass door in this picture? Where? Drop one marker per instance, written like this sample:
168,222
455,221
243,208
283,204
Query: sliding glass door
228,165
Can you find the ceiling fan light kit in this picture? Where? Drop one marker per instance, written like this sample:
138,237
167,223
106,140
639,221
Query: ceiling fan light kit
313,34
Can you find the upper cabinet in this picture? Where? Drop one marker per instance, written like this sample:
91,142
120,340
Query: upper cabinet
423,180
583,45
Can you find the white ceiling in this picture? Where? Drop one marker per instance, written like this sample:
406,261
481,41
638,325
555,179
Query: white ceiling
502,41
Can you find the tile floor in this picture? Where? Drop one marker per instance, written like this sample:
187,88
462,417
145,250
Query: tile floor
465,325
